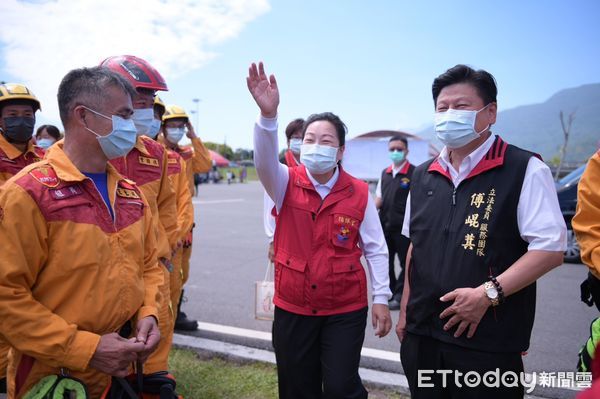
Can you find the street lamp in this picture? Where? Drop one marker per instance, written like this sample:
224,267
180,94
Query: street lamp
197,102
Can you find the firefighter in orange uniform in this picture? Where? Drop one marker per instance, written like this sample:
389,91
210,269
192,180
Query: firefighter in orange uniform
197,159
185,210
18,106
79,250
146,164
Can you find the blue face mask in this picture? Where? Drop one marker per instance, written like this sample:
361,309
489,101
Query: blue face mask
295,145
143,119
154,128
174,134
120,140
397,156
318,159
45,143
456,128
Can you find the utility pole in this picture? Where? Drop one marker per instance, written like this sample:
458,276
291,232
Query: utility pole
197,102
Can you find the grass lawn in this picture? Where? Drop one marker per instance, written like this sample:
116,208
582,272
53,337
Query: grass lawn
204,377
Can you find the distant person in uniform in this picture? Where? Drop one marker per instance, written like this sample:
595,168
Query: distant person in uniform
390,198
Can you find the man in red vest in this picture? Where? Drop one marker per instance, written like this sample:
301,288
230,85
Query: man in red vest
323,214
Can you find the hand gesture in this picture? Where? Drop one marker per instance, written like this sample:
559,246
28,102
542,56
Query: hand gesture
149,335
469,306
114,354
191,133
264,91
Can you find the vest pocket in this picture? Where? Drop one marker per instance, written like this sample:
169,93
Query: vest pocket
349,281
344,230
289,278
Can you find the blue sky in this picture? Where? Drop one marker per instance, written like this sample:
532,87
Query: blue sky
371,62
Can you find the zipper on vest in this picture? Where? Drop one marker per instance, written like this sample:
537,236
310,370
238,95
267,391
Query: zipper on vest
314,215
454,197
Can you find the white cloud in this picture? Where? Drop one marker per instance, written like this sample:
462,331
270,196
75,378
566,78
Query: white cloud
43,40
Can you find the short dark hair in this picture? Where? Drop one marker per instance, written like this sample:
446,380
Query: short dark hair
399,138
293,127
87,86
51,129
483,81
332,118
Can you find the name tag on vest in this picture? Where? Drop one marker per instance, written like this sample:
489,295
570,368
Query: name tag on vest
148,161
126,193
65,192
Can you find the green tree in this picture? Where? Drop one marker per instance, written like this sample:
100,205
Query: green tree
222,149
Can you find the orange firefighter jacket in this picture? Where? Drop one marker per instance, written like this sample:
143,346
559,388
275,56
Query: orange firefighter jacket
146,164
179,183
197,160
69,273
12,160
586,222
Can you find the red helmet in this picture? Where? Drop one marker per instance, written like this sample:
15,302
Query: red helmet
137,71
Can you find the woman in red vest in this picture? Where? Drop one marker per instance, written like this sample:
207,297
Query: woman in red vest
326,220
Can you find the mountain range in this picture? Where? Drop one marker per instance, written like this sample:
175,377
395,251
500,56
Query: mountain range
537,127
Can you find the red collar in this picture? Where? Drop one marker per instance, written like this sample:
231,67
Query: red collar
290,159
402,171
492,159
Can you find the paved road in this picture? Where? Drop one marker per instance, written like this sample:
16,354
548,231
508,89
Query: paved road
229,255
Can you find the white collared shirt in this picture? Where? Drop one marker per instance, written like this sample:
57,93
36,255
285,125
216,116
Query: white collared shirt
395,171
539,218
274,176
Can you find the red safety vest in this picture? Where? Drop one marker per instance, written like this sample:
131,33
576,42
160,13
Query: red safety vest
317,258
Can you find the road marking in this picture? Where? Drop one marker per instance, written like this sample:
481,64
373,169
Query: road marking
266,336
222,201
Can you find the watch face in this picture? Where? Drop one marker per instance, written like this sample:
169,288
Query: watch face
492,292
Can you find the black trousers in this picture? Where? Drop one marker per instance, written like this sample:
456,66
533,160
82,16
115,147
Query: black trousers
318,356
397,246
428,354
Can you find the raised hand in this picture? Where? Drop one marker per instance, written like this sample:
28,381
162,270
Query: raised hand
264,91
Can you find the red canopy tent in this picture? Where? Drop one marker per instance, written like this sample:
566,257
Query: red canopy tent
220,160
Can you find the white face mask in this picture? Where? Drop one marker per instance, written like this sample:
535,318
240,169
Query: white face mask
143,119
174,134
456,128
318,159
295,145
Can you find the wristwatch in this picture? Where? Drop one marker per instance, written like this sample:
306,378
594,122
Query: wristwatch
491,292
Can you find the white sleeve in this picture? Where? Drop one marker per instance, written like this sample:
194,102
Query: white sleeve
406,222
378,189
268,219
375,251
540,220
273,175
